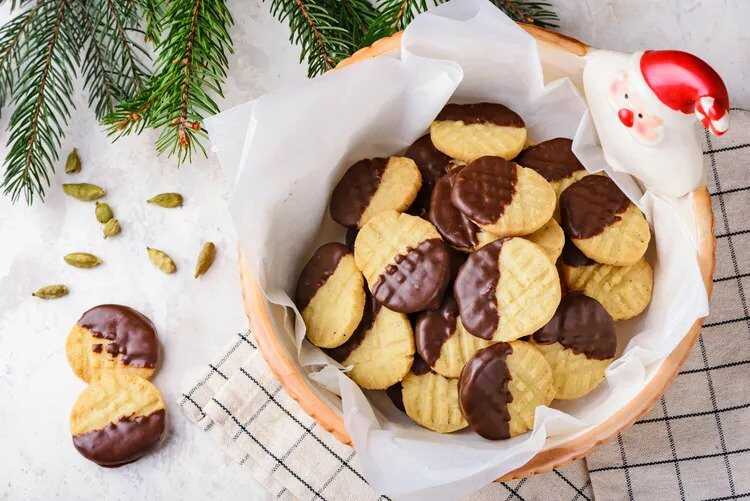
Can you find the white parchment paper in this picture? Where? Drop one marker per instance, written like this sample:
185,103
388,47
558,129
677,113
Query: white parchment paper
284,152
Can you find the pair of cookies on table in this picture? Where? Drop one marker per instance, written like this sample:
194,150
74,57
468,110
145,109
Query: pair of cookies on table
120,415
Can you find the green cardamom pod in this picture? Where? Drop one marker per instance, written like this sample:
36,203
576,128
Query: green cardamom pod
82,260
111,228
83,191
103,212
205,259
161,260
51,292
73,163
167,200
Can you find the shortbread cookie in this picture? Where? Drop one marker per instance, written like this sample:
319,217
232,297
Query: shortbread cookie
432,164
454,226
404,260
624,291
501,386
579,343
372,186
555,161
330,295
381,350
431,400
112,338
469,131
442,342
550,238
502,197
603,223
117,419
506,290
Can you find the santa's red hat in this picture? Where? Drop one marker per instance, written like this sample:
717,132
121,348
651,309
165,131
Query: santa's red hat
687,84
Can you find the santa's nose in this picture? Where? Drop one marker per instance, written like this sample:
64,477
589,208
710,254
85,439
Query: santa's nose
626,117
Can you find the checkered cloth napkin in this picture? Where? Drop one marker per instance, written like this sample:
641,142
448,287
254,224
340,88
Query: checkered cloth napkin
695,444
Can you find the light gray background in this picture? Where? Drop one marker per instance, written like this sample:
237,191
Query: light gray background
195,318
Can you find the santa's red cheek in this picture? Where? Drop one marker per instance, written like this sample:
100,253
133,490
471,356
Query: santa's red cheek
626,117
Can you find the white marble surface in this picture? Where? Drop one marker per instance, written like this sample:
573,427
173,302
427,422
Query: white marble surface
195,317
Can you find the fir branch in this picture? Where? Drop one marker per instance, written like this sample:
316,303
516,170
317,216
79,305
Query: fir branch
12,37
113,64
322,38
355,16
42,98
190,70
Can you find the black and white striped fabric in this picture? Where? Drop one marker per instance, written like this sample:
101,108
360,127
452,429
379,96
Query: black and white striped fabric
695,443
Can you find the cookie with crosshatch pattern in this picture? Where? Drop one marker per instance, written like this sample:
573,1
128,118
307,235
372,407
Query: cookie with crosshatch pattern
501,386
431,400
443,342
502,197
624,291
117,419
555,161
603,223
330,295
372,186
579,343
469,131
404,260
506,290
381,350
549,237
112,338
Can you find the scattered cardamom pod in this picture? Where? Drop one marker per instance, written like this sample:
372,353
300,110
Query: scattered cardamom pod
103,212
166,200
111,228
51,292
73,163
82,260
161,260
83,191
205,259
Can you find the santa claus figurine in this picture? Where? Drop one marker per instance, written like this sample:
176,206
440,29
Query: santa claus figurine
645,106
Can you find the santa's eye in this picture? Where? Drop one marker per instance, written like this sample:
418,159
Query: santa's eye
626,96
640,115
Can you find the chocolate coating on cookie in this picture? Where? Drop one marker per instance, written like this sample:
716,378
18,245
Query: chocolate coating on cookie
572,256
317,270
395,394
484,188
484,394
480,113
553,159
353,193
582,325
122,442
129,333
419,367
434,328
474,290
588,206
432,164
457,229
415,279
370,313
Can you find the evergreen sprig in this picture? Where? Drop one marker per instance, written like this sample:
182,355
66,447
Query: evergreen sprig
190,69
42,98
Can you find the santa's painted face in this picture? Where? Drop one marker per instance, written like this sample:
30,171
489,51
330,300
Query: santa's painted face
646,127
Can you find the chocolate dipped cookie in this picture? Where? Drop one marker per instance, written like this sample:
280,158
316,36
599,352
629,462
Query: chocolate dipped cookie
372,186
469,131
112,338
